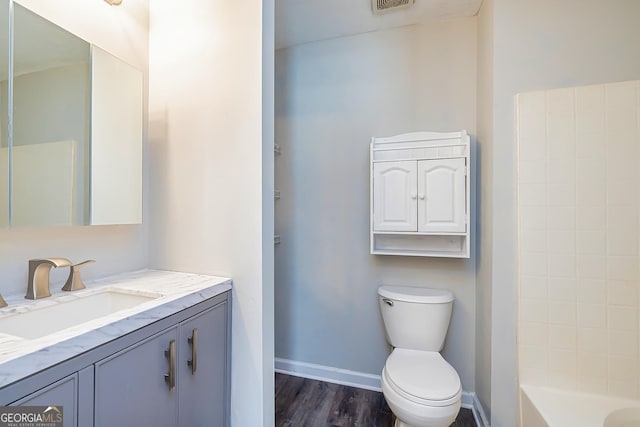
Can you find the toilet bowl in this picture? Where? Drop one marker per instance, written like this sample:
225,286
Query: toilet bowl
420,387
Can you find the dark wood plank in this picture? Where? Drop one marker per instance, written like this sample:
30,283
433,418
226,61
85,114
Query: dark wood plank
288,390
465,419
301,402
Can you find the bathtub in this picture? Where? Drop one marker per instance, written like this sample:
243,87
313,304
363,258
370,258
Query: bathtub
549,407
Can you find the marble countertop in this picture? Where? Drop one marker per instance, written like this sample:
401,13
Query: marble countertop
171,293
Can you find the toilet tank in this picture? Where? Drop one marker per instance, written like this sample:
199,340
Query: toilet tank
415,318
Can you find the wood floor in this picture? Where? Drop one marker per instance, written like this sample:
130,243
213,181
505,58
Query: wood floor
302,402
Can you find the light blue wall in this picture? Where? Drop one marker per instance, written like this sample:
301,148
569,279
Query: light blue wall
331,98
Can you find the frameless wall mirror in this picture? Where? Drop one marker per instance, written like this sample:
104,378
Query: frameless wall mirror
75,155
4,113
50,144
116,140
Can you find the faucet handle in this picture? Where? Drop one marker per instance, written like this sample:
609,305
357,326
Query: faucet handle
74,282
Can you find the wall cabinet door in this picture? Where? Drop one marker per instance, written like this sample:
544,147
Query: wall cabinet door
131,388
202,369
394,196
442,196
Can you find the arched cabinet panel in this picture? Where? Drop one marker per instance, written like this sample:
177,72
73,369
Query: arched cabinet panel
395,196
441,196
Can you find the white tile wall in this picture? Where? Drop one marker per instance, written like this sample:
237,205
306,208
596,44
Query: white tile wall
579,238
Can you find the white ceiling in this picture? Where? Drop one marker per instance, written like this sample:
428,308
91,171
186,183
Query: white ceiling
303,21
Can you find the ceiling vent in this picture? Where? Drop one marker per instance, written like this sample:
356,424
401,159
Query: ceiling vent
382,6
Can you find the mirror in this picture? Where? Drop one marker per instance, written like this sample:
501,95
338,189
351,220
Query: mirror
51,105
75,151
116,140
4,113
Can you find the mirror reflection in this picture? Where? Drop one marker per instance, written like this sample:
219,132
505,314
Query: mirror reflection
4,113
51,113
71,122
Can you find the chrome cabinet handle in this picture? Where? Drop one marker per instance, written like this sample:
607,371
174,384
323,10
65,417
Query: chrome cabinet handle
170,377
194,351
388,302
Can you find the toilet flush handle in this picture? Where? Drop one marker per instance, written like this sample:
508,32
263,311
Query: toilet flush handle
388,302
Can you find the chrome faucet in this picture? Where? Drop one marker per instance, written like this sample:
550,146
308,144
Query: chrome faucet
38,285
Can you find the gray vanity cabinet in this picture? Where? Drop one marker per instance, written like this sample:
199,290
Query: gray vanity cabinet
175,378
158,375
130,388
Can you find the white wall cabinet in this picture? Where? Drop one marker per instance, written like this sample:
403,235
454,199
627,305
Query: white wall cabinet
420,195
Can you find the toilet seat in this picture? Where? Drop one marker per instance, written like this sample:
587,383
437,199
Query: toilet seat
422,377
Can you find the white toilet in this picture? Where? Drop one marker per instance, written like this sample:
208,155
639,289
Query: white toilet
420,387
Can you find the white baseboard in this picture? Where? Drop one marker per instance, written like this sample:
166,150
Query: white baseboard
362,380
470,401
328,374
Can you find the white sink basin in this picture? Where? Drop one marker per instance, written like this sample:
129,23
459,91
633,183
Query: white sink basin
41,321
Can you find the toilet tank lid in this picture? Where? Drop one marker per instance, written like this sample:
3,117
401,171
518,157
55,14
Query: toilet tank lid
416,294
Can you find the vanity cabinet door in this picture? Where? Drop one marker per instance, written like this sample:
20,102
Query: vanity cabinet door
131,388
63,393
203,369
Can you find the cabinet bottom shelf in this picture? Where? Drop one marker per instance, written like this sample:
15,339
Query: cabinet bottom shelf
449,246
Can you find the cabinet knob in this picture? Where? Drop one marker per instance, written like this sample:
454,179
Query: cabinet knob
421,196
413,196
